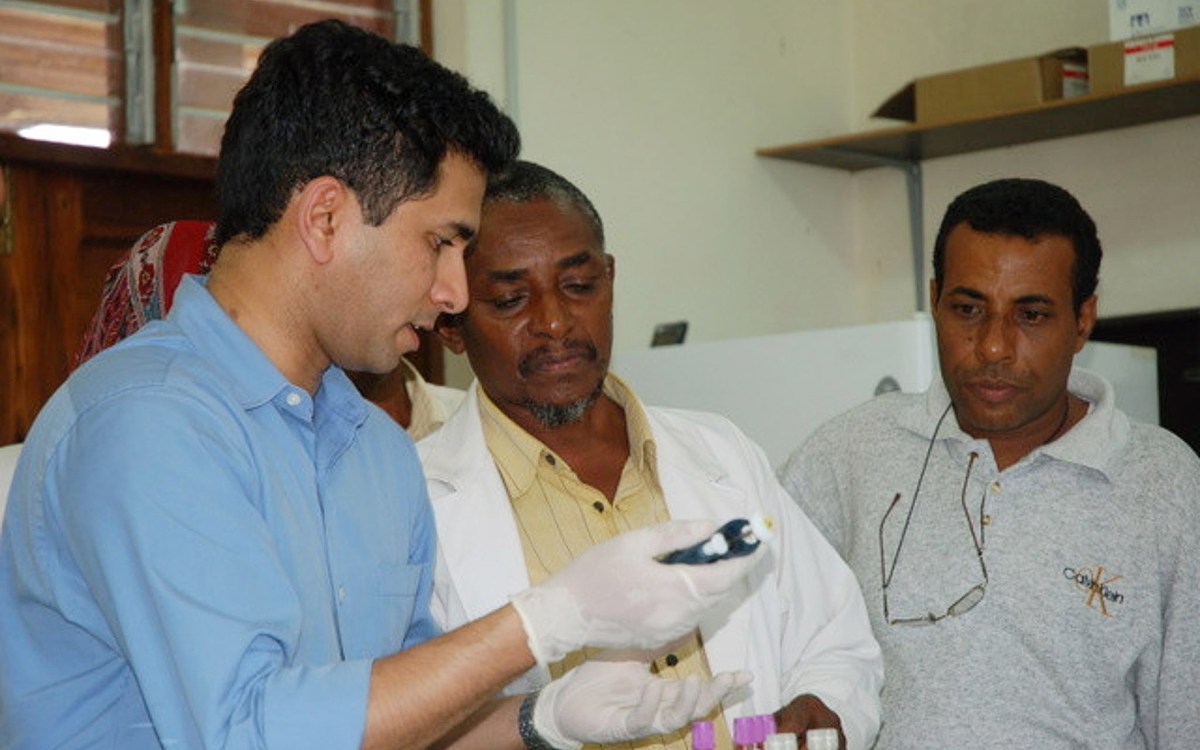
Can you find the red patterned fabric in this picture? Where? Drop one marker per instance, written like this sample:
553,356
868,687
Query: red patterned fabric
140,287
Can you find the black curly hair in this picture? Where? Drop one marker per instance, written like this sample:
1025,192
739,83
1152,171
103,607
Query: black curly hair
334,99
1030,209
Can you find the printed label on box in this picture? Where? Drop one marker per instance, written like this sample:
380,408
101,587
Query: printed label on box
1074,80
1150,59
1131,18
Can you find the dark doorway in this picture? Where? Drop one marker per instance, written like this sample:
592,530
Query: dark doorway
1176,335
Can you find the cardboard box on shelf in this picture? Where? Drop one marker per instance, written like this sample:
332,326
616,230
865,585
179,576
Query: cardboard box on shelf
1133,18
989,89
1116,65
1075,79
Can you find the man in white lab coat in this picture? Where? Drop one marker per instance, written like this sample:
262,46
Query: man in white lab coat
551,453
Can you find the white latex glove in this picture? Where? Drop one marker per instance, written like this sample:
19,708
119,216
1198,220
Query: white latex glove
618,701
616,595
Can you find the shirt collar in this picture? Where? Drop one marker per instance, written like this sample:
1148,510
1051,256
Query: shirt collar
641,439
1098,438
252,376
427,413
522,452
1093,441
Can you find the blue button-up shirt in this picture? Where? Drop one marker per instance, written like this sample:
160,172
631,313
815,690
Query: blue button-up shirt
198,554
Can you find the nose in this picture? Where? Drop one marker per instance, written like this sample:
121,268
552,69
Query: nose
449,291
549,316
996,339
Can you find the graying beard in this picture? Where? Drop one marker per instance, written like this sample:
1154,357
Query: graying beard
555,415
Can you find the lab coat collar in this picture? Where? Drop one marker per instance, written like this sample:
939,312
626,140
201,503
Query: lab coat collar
473,511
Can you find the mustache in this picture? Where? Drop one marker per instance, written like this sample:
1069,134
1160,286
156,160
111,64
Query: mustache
996,374
533,358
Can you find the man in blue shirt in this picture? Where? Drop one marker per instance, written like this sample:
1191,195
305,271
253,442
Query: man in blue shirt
213,541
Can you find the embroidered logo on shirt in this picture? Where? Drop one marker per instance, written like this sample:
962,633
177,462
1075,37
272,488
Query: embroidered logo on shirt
1097,584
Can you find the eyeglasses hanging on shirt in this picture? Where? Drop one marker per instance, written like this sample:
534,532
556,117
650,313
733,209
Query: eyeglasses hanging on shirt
974,595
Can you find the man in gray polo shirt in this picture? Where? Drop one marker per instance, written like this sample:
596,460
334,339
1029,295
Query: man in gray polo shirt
1028,553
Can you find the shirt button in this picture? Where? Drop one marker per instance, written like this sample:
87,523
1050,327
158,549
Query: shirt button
599,506
996,486
293,399
550,460
672,660
341,593
986,520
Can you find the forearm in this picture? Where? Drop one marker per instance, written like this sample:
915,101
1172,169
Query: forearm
613,596
492,727
417,696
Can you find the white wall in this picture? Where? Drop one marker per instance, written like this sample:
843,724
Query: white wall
1139,184
655,108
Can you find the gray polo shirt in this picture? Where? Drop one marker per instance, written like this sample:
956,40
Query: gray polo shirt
1088,635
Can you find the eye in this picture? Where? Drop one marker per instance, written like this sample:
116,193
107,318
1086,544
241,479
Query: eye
581,286
507,302
439,241
1033,316
966,309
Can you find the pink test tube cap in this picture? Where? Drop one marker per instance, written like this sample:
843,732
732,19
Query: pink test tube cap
766,726
743,731
704,736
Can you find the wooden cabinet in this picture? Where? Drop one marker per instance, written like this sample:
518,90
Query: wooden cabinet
72,212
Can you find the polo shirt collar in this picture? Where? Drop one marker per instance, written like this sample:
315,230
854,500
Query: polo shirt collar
1093,442
521,453
252,376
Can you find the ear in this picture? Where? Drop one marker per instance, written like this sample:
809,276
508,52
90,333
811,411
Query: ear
321,212
934,293
611,262
1085,321
449,330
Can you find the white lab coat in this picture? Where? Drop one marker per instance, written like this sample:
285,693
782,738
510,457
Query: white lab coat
804,629
8,466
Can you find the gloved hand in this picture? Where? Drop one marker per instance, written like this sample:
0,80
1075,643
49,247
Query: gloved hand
616,595
618,701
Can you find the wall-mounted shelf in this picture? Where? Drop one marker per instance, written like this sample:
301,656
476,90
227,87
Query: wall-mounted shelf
906,146
1064,117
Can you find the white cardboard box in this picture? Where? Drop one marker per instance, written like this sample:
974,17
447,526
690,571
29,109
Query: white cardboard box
1115,65
1130,18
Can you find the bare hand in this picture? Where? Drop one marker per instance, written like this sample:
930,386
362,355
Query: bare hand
808,712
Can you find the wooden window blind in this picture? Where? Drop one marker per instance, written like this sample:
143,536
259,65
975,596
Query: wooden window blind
217,43
64,62
61,63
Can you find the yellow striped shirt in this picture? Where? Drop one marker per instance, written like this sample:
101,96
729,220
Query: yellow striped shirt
558,517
